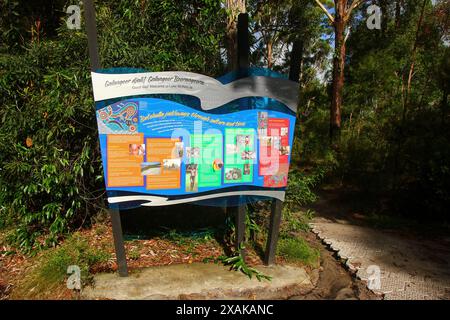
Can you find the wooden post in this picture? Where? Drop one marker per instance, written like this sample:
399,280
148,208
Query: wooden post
277,205
91,28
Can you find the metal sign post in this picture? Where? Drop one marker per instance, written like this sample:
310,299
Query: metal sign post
91,26
243,53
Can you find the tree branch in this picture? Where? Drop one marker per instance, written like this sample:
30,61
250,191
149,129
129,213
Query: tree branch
325,10
349,30
354,5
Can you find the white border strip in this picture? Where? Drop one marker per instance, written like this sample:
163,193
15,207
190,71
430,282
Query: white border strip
163,201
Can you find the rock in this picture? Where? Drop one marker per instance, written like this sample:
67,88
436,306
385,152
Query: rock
345,294
297,298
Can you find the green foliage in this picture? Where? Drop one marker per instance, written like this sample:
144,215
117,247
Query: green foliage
394,140
50,166
50,271
162,35
22,21
183,238
251,223
298,250
237,263
48,150
294,222
75,251
277,23
299,191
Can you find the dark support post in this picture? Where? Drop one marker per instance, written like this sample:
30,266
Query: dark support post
118,242
243,48
274,228
275,216
243,41
91,28
296,57
240,226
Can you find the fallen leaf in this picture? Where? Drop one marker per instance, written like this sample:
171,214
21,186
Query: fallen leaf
29,142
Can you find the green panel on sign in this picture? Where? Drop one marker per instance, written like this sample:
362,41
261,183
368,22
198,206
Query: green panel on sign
239,155
209,154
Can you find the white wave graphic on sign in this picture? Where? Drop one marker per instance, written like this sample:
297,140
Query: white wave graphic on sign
211,92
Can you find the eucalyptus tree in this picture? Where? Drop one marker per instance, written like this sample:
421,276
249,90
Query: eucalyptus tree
233,9
282,29
343,10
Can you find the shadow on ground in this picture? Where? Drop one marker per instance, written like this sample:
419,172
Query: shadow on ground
151,221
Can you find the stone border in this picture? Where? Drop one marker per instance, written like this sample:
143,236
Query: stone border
345,261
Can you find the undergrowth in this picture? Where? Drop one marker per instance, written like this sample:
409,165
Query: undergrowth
49,270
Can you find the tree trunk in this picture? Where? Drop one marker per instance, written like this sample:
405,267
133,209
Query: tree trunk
269,54
343,10
444,106
398,8
231,44
338,73
413,59
384,16
301,49
234,7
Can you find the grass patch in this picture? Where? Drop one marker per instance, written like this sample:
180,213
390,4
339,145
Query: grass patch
298,250
49,274
134,252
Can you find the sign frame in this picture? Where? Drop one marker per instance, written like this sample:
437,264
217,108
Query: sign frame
243,52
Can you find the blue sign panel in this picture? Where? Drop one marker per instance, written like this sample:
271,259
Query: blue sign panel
175,137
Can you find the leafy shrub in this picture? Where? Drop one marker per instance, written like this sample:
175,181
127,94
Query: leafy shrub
49,157
300,188
50,165
294,222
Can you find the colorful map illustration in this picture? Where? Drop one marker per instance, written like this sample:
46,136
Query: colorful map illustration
118,118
